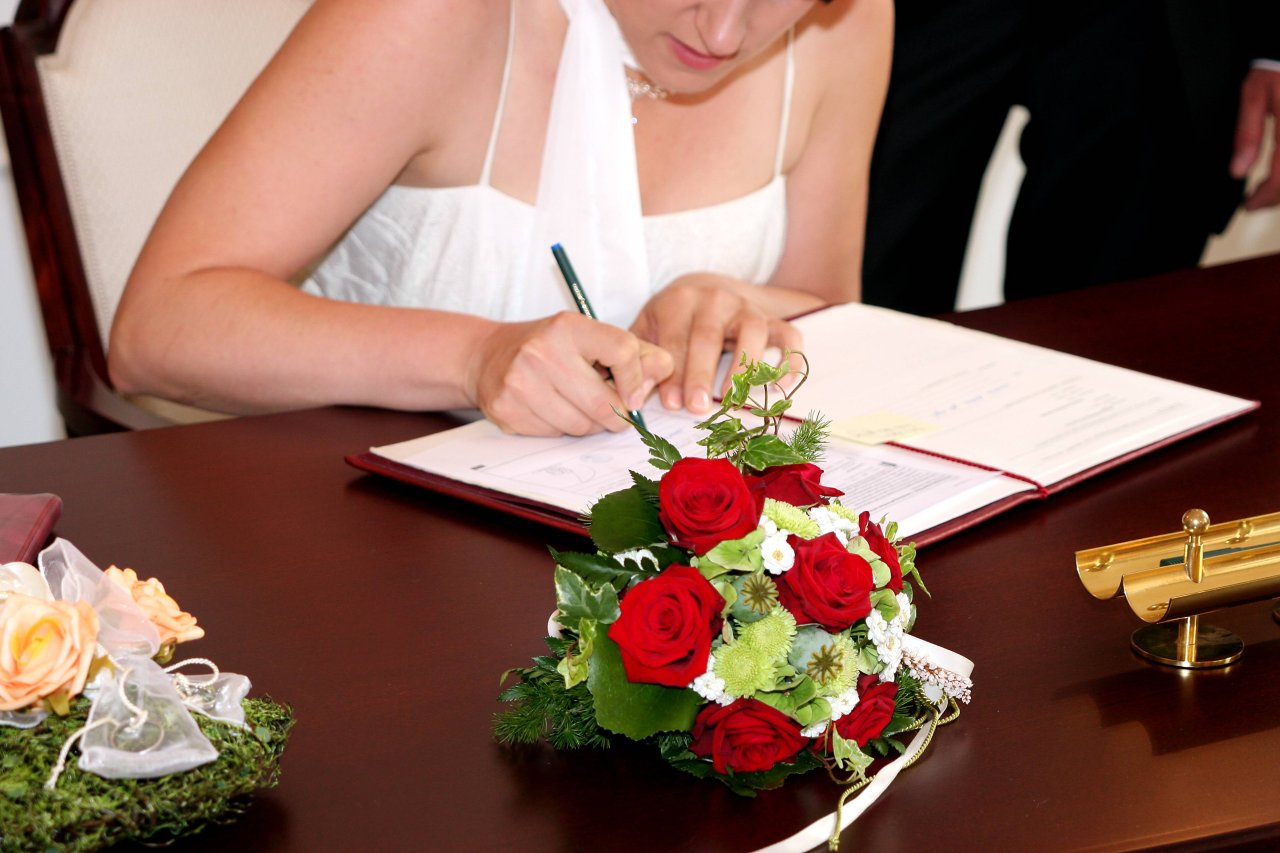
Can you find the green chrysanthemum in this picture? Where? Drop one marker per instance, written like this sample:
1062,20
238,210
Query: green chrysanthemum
843,511
791,518
772,634
744,668
751,662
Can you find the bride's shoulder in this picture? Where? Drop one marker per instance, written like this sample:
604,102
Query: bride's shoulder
433,30
844,32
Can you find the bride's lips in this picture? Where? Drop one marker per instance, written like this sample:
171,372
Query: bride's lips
692,58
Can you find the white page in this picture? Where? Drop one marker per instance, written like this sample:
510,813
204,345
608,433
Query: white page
572,473
1008,405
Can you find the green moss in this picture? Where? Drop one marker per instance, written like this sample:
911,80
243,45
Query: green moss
86,812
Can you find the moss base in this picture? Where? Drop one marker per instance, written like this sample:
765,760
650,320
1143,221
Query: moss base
86,812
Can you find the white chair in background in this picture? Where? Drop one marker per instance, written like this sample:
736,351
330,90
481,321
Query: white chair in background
105,103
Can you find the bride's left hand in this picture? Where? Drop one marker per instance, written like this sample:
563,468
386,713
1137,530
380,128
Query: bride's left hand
698,317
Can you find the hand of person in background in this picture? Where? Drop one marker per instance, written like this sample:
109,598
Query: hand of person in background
699,316
1259,98
544,377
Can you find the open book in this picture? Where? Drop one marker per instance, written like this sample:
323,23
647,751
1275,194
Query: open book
934,426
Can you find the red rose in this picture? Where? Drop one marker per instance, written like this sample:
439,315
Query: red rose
798,485
827,584
745,736
666,626
704,502
884,549
869,717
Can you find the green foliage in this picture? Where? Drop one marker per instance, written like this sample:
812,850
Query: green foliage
764,451
626,519
662,453
886,602
810,438
544,708
573,666
86,812
847,755
575,600
745,784
758,447
599,569
635,710
907,560
739,555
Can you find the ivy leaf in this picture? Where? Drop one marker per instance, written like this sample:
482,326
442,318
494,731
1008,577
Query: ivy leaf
765,451
775,410
576,601
599,569
847,754
634,710
573,666
624,520
762,373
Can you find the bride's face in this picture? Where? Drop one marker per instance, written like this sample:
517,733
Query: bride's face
690,45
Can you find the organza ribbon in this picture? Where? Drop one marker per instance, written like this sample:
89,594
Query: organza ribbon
140,724
588,190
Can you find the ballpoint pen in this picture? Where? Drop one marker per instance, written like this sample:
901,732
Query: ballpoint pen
584,306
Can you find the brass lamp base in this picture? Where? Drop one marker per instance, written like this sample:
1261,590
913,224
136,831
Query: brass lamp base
1169,644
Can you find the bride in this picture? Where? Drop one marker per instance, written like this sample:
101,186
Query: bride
371,225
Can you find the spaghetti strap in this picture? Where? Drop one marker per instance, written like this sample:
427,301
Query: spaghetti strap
502,100
787,86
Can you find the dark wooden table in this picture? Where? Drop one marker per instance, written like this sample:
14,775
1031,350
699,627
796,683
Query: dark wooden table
384,615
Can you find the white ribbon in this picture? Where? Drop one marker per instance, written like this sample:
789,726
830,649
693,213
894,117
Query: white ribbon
588,190
818,832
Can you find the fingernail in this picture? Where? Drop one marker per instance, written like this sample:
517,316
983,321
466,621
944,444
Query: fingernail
700,401
638,398
671,399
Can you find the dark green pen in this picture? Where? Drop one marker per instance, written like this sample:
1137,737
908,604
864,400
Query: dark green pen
584,306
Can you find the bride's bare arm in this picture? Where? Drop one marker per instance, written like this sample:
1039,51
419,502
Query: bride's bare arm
356,93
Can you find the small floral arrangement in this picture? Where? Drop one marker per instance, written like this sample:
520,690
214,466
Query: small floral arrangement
82,662
739,616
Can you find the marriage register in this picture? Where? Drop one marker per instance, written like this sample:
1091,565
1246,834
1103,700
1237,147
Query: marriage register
934,426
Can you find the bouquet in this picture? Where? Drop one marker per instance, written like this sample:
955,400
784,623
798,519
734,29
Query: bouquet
738,616
83,657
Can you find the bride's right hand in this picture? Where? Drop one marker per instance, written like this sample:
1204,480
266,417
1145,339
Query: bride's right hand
545,377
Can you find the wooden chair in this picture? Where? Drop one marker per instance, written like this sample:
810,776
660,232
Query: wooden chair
105,103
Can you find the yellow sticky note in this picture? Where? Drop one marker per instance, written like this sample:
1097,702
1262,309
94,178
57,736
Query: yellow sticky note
880,427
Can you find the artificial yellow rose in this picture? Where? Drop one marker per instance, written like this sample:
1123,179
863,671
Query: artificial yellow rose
173,625
45,648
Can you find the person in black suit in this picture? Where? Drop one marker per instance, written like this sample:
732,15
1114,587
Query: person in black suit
1133,151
